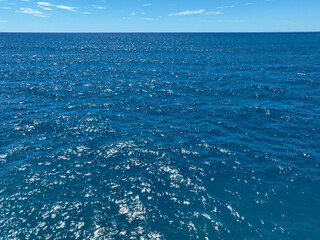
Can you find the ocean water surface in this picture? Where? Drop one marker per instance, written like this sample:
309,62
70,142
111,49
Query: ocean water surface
160,136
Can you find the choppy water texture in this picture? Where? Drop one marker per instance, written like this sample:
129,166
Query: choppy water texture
159,136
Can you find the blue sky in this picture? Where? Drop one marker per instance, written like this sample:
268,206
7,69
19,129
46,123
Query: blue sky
159,15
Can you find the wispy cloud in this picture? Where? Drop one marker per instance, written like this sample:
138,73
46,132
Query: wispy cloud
98,7
187,12
230,6
46,6
72,9
86,13
201,11
31,11
148,19
3,21
147,4
213,13
132,14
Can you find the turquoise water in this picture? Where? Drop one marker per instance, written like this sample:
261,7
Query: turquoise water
160,136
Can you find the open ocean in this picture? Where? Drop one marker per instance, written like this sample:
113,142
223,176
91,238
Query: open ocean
160,136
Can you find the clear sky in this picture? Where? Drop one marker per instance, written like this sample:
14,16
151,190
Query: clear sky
159,15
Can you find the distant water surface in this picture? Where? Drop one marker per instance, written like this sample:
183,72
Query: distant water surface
160,136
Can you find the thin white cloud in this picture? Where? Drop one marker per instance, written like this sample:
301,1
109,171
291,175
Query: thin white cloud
47,6
86,13
7,8
213,13
201,11
72,9
147,4
148,19
31,11
3,21
231,6
132,14
98,7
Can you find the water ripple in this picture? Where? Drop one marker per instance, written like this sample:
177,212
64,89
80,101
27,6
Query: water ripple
159,136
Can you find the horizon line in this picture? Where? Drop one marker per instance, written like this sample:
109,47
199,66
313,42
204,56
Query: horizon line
169,32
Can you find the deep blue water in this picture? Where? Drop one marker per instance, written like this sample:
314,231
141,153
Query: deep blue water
160,136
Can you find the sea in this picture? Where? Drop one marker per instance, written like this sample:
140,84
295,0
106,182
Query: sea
160,136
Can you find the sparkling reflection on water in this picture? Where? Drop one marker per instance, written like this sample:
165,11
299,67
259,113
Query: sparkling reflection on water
159,136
